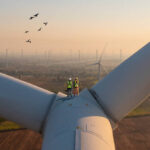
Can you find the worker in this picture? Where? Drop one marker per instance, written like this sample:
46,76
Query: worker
69,87
76,87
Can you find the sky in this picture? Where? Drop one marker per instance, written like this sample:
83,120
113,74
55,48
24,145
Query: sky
75,24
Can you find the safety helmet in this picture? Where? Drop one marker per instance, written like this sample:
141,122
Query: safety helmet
70,79
76,78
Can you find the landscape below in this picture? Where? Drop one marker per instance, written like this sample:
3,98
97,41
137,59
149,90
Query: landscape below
53,76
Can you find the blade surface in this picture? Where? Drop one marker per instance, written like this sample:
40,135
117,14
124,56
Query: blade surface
24,103
127,86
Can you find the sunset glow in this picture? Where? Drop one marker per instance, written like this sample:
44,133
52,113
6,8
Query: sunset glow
84,24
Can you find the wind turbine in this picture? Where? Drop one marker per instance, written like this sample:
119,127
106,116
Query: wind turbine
6,57
99,62
120,55
85,122
79,55
96,55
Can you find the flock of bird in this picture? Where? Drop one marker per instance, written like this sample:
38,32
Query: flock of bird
32,17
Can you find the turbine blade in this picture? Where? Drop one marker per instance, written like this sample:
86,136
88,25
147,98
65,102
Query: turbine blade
24,103
126,87
93,64
103,51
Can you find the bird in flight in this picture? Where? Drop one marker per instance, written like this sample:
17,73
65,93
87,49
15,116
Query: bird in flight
31,18
26,31
36,15
45,23
28,41
40,29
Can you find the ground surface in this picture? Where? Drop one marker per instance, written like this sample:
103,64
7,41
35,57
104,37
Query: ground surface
131,134
20,140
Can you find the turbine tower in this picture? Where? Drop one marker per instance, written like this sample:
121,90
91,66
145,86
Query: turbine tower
85,122
6,57
22,54
120,55
79,55
96,55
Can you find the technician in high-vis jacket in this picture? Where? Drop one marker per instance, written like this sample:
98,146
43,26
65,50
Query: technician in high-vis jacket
69,87
76,87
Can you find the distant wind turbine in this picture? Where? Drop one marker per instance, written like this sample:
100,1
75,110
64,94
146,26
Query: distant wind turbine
96,55
6,57
120,55
79,55
99,64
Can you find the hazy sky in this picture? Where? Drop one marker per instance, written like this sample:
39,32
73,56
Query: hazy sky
75,24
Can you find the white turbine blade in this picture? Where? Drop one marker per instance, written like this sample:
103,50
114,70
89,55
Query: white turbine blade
101,56
93,64
78,124
24,103
126,87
